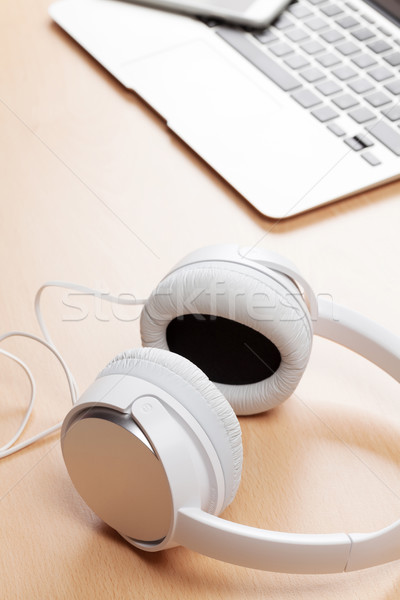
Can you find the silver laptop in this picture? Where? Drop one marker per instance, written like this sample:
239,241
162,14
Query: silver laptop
295,116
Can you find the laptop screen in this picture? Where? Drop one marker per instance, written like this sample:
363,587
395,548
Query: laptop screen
389,7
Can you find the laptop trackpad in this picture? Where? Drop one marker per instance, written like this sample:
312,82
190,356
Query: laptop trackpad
236,123
193,82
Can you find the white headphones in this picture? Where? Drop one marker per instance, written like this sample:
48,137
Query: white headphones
153,445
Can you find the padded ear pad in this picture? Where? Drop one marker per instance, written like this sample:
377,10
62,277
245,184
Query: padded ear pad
192,388
256,349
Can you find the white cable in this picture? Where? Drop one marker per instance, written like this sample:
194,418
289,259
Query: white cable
31,402
9,447
83,289
6,450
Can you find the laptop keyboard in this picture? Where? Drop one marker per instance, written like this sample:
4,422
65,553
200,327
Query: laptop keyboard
337,63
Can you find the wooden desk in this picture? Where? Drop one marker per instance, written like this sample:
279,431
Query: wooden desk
96,190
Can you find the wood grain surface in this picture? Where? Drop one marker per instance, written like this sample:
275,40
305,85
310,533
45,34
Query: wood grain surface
95,189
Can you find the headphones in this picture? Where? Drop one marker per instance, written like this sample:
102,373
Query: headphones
154,446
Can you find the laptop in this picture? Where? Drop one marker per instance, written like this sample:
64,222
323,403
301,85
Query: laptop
294,116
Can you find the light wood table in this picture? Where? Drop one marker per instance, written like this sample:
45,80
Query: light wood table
95,189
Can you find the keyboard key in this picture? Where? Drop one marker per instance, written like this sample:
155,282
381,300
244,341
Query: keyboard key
297,34
385,31
316,24
394,87
369,19
363,61
392,113
347,48
363,34
312,47
351,6
259,59
299,10
380,73
281,49
316,1
361,137
265,36
331,10
331,36
361,115
344,73
328,60
338,131
371,159
393,59
386,135
379,46
377,99
296,61
325,113
283,22
306,98
347,22
312,75
345,101
360,86
354,144
327,88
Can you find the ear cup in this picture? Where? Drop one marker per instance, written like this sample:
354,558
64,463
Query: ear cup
255,338
192,388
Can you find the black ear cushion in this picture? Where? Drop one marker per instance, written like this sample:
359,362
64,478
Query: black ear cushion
267,323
